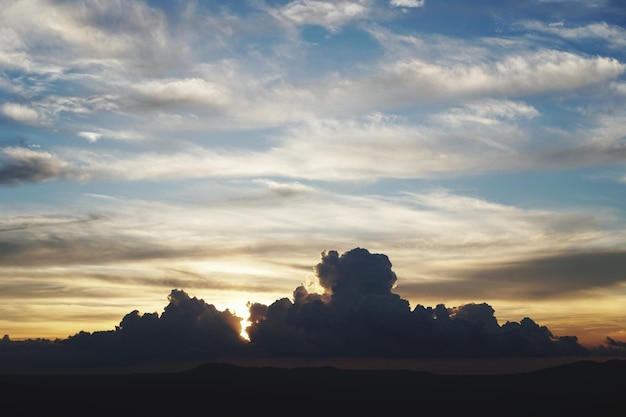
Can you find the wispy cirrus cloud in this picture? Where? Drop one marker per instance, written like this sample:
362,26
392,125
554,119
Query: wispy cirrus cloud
481,136
122,231
331,15
508,76
613,35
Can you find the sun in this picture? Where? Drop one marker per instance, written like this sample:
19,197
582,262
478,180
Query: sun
244,325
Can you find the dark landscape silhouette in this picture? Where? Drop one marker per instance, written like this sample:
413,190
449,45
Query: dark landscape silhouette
580,388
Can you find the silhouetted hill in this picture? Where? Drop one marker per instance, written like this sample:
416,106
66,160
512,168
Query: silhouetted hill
580,388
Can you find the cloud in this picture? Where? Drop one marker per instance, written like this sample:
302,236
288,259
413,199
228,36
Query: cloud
601,142
188,329
610,348
407,3
481,135
22,165
162,92
82,34
122,135
356,315
558,276
19,113
90,136
240,215
54,106
513,75
433,69
487,112
355,273
26,222
613,35
329,14
12,54
283,189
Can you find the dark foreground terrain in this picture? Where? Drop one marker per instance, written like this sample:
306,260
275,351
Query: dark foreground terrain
584,388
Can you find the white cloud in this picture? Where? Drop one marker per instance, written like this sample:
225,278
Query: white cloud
614,35
162,92
482,135
407,3
19,113
77,34
487,112
432,68
421,80
90,136
285,189
330,14
13,53
52,106
619,87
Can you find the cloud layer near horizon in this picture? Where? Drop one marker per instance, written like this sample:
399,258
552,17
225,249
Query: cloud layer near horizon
356,315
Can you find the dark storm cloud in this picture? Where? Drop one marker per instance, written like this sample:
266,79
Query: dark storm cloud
358,315
21,165
189,329
547,277
355,273
610,347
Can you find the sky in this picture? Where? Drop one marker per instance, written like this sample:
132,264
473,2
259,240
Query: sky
218,152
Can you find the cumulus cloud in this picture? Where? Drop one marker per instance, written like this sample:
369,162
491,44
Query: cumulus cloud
188,329
22,165
359,315
356,315
355,273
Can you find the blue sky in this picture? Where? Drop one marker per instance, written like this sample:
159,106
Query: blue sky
220,147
